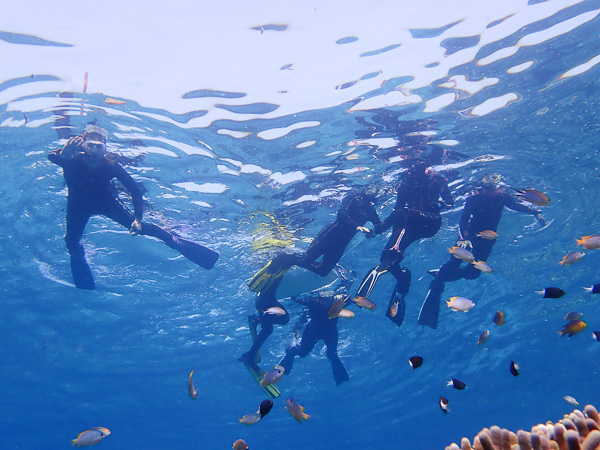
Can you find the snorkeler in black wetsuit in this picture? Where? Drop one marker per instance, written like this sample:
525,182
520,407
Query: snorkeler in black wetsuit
88,174
319,327
357,209
265,300
416,216
482,212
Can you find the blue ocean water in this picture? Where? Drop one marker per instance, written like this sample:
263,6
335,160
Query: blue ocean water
250,183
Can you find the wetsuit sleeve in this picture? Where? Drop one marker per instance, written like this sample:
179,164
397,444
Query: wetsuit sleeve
463,223
133,188
54,157
446,194
512,203
343,215
401,197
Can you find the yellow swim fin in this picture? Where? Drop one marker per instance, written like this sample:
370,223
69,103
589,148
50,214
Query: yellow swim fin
271,390
265,277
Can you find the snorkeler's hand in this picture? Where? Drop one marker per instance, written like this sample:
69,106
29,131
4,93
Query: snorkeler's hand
464,243
136,227
363,229
540,219
73,146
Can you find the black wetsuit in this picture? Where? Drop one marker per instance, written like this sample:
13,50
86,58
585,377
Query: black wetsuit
416,216
482,212
319,327
91,193
331,242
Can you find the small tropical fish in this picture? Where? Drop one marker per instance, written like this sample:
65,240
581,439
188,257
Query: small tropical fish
346,314
394,309
415,362
596,336
483,266
483,337
574,315
571,400
460,304
595,289
250,419
532,196
590,242
240,444
337,307
444,404
91,436
113,101
572,258
191,388
490,235
514,369
499,318
462,253
551,292
276,310
364,302
456,384
572,328
272,376
296,411
265,407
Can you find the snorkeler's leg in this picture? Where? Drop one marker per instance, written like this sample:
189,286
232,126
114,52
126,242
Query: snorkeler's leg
307,343
337,367
76,222
196,253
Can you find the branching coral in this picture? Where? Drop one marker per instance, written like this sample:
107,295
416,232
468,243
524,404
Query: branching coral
575,431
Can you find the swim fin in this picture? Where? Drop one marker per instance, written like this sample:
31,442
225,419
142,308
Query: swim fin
253,324
339,371
265,277
430,310
198,254
82,274
369,282
397,306
271,390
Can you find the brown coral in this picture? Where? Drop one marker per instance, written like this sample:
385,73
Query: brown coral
575,431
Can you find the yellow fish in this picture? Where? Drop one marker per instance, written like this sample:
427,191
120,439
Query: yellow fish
572,328
337,307
346,314
533,196
296,411
364,302
272,376
483,266
489,235
460,304
276,310
590,242
91,436
572,258
394,309
191,388
250,419
462,254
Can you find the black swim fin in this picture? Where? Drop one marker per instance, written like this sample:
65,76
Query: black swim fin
369,282
198,254
430,310
82,275
339,371
271,390
396,308
265,277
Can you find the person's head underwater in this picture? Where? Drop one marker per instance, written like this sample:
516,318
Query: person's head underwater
489,184
370,193
418,169
94,142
